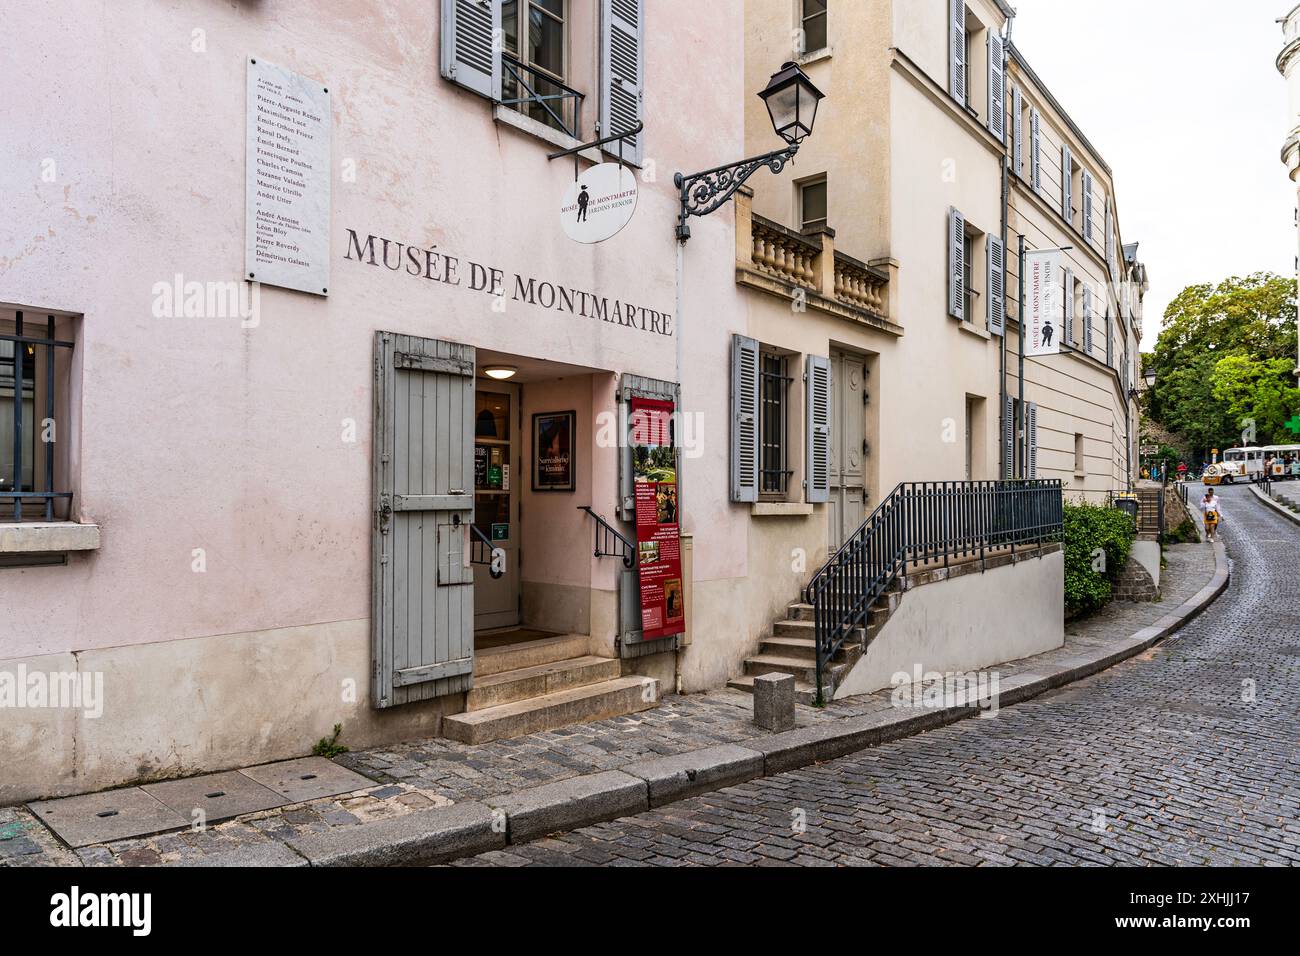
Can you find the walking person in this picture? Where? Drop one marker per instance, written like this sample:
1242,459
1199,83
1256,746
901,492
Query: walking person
1211,508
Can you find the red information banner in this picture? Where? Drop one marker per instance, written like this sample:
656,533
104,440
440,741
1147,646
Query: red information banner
658,534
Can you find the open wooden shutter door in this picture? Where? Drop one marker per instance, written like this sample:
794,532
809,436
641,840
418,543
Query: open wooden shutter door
818,466
622,74
423,502
744,419
470,35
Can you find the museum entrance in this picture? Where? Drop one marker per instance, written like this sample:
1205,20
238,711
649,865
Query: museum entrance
496,530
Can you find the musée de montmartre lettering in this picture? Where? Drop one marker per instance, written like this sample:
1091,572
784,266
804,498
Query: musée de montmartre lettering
452,270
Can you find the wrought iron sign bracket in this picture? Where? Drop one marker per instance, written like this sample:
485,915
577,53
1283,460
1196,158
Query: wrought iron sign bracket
706,192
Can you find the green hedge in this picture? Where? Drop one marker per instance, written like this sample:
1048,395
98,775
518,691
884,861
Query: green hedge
1087,528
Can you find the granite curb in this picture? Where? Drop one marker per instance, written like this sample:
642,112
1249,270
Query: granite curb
466,829
1284,512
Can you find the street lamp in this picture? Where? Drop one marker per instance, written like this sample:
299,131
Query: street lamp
791,100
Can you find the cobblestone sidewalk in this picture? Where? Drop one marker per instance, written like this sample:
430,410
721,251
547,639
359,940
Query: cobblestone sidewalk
437,772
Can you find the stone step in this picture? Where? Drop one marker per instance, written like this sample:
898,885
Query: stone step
806,629
525,682
548,650
804,648
801,668
612,698
804,692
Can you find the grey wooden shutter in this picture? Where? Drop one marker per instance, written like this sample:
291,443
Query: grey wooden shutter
818,466
1036,149
1110,343
1087,204
622,74
744,418
470,57
957,56
1067,185
1018,132
1087,319
1008,438
956,264
1110,243
422,640
1069,306
1031,430
997,257
997,89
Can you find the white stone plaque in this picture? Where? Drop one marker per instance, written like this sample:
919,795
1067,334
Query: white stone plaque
287,191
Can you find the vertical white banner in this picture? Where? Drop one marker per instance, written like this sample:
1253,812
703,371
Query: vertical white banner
1044,304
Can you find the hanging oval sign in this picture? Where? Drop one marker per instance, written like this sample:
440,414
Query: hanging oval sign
599,204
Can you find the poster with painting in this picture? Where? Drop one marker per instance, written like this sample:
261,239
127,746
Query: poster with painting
553,443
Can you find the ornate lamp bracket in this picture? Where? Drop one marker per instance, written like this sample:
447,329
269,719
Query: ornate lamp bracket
706,192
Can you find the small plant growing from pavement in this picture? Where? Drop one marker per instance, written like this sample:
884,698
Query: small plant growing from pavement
1092,530
330,746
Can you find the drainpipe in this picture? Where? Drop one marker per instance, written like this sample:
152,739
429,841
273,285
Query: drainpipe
1006,201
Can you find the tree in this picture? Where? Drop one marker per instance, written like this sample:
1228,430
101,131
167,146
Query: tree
1257,393
1226,353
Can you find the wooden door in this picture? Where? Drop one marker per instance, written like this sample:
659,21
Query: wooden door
848,492
422,580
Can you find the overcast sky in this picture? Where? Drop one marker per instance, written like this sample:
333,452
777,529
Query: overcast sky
1184,102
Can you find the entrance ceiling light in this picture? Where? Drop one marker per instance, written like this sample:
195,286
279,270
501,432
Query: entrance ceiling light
500,372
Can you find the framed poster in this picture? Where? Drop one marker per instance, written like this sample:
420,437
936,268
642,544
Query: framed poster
553,444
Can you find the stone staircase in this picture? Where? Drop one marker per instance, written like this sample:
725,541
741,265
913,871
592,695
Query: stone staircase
1149,511
541,685
792,649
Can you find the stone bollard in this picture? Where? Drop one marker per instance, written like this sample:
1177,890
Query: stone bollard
774,702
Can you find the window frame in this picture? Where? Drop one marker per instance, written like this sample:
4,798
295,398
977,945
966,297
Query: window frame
802,187
774,409
805,16
522,54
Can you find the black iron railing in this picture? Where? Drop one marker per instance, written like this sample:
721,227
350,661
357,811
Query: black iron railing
922,523
483,551
34,353
609,543
541,96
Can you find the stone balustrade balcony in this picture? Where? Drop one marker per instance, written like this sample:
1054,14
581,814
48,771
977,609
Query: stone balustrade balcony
806,268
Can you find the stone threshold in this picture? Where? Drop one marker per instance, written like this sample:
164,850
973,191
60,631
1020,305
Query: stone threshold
468,828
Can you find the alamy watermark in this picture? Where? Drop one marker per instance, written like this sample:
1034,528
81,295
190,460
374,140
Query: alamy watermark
52,690
932,689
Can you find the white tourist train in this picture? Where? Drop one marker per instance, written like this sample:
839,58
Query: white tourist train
1247,464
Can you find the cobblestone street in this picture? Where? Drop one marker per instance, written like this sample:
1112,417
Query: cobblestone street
1184,755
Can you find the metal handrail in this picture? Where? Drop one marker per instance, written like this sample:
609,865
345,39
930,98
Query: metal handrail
607,535
479,541
513,66
919,523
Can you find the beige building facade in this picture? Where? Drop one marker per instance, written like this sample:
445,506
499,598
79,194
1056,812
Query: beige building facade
928,103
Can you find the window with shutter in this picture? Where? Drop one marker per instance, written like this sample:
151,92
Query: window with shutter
1110,243
744,418
957,55
1087,319
956,264
1110,344
1018,132
1087,205
1009,438
469,56
622,74
997,90
997,261
1031,431
818,468
1036,149
1067,185
1068,294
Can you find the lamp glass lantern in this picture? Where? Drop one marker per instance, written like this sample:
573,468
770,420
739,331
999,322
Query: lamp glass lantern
791,100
